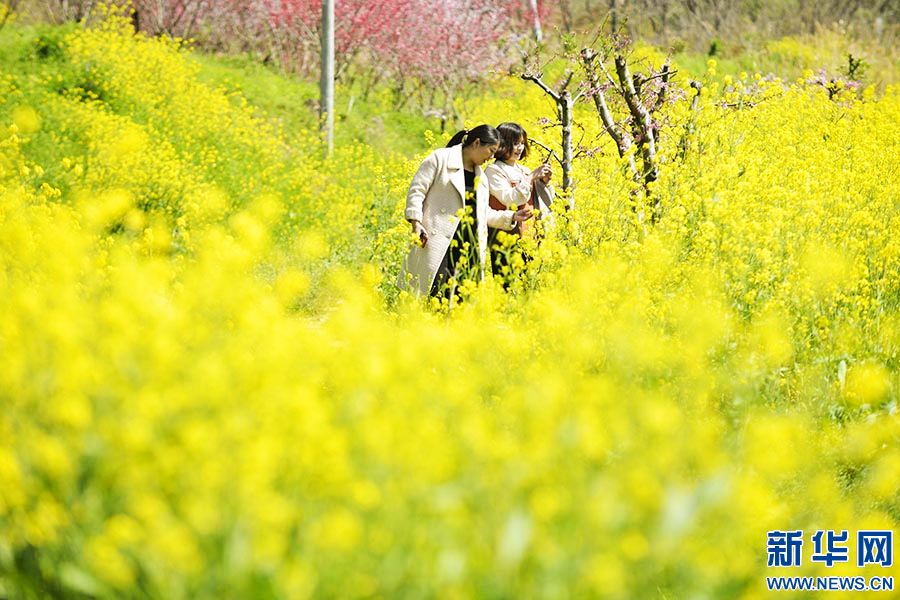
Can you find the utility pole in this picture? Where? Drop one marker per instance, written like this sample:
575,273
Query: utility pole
326,86
536,21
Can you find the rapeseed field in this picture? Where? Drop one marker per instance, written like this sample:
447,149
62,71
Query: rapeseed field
211,388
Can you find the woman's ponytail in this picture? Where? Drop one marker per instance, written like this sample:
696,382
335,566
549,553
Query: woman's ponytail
458,138
487,134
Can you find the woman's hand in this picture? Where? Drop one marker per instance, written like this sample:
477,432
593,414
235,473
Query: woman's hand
419,230
523,214
543,172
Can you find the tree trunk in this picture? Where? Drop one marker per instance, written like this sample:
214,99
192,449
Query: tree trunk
622,139
565,117
564,105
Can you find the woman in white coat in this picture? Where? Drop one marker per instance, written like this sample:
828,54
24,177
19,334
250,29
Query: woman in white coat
450,183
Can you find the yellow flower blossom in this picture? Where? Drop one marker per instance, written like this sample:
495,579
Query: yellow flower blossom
211,385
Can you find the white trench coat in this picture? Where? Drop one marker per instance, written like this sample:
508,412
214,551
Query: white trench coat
435,195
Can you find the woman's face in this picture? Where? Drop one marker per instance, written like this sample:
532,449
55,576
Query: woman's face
517,150
481,153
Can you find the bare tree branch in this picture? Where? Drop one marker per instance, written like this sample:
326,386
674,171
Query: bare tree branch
549,151
664,76
540,83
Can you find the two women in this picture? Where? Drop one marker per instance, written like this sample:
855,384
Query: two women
447,207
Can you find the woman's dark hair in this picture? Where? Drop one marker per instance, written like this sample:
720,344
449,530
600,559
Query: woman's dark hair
487,134
510,134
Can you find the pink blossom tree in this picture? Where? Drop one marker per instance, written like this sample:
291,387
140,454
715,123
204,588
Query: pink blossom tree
439,48
359,24
429,52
